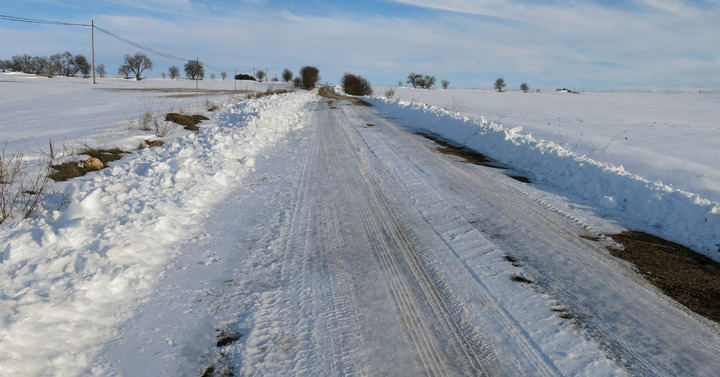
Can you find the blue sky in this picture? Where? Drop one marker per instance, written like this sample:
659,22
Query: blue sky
580,44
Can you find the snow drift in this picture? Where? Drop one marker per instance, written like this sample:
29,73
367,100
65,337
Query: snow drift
653,207
70,275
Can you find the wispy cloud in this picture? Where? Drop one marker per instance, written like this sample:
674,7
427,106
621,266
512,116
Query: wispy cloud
644,43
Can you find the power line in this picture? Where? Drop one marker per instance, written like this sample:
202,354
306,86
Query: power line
111,34
36,21
138,45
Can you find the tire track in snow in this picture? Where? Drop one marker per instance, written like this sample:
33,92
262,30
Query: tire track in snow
396,253
468,185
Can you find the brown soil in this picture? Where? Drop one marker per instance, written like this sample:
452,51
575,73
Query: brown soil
72,169
328,92
188,121
468,155
690,278
154,143
520,178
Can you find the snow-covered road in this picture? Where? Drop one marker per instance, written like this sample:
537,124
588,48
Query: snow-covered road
355,248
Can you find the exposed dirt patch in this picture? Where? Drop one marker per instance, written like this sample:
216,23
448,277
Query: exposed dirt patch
154,143
71,169
189,122
520,178
512,260
328,92
690,278
105,155
590,238
369,125
521,279
468,155
225,338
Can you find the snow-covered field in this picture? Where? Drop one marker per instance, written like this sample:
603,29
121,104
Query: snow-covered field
648,160
67,111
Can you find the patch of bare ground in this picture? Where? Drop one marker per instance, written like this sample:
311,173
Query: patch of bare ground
99,159
154,143
468,155
329,92
189,122
690,278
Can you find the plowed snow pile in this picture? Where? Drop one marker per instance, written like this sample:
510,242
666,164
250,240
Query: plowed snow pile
70,274
647,160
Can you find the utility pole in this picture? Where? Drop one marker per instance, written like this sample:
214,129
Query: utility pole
197,60
92,28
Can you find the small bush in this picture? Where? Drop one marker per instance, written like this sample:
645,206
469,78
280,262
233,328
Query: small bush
163,128
356,85
244,76
20,191
389,93
310,76
145,121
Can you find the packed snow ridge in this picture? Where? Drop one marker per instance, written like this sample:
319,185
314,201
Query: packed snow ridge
72,273
635,201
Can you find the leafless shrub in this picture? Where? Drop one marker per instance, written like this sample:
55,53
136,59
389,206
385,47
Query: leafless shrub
21,189
389,93
146,119
163,128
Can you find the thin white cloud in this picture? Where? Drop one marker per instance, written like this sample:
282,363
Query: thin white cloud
576,43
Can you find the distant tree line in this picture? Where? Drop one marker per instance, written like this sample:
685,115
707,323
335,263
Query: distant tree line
65,64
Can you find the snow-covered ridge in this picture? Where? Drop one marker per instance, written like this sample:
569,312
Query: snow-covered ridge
654,207
68,276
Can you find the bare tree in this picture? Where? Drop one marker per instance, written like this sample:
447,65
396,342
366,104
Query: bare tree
287,75
223,75
56,64
124,70
413,78
194,69
82,65
138,63
5,65
524,87
174,72
67,64
428,81
163,74
499,84
212,76
310,76
445,84
101,70
260,75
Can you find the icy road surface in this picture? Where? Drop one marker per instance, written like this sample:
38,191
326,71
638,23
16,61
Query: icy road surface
355,248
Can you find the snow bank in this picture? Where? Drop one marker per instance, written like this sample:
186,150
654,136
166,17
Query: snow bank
70,275
639,203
